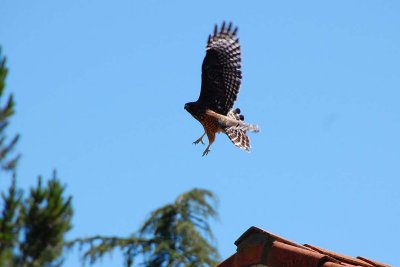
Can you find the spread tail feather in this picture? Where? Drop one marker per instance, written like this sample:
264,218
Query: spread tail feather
237,132
238,138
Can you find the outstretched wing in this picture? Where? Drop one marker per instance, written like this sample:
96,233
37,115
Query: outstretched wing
221,72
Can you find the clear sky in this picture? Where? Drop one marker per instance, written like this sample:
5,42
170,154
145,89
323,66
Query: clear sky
100,88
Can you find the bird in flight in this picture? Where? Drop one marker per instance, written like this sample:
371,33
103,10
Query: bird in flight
220,84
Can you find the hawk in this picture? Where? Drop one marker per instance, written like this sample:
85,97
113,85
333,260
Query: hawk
220,83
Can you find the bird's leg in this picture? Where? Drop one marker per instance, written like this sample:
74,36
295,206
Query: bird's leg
200,139
207,150
211,138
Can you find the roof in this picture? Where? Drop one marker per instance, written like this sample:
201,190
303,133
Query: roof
259,248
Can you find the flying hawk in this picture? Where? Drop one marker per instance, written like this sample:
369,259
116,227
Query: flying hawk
220,83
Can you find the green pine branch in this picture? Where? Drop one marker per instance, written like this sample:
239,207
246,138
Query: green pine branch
7,162
47,217
10,223
176,235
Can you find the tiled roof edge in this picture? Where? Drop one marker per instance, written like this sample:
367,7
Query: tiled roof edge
255,229
340,257
374,263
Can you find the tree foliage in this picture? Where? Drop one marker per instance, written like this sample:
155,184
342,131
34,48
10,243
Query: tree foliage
176,235
32,228
7,161
10,223
46,217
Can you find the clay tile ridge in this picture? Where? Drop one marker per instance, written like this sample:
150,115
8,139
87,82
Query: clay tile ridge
259,248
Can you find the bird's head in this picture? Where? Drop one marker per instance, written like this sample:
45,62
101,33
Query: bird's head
192,108
189,107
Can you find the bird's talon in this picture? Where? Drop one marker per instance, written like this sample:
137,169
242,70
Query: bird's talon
200,140
205,153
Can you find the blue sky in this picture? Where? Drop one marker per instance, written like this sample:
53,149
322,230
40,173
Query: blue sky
100,89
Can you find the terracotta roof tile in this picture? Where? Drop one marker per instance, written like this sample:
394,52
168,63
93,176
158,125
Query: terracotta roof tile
259,248
340,257
374,263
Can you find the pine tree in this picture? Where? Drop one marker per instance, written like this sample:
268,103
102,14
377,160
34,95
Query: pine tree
46,217
32,228
176,235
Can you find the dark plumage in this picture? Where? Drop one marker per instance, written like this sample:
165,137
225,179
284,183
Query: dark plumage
220,84
221,74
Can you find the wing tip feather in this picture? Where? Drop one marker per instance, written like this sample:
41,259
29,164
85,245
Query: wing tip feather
222,27
226,30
